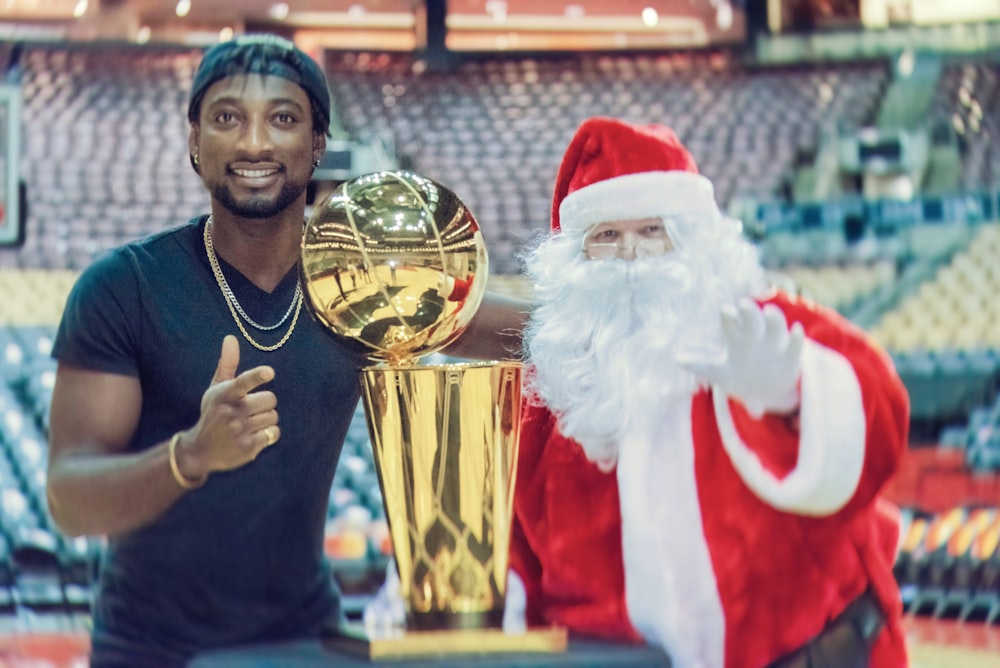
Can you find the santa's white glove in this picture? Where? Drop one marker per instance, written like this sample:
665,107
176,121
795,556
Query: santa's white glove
386,611
762,360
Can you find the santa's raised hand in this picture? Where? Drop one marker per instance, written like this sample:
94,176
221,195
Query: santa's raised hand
761,360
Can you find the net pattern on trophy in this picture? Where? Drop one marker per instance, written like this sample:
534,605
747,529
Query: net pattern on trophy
445,443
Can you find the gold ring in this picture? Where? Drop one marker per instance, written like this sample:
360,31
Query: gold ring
270,435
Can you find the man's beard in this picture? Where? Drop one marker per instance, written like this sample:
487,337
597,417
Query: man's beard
258,206
604,336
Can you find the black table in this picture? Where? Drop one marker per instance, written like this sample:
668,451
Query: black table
580,653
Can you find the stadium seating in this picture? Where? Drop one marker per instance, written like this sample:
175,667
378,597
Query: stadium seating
949,564
839,286
495,130
105,149
105,161
965,100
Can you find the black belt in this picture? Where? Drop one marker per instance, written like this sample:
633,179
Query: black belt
846,642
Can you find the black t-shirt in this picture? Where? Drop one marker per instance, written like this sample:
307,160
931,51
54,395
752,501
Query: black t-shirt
241,558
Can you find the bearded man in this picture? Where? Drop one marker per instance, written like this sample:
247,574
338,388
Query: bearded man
701,456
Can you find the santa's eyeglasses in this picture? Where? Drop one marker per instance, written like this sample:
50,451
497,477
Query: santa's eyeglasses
595,250
641,248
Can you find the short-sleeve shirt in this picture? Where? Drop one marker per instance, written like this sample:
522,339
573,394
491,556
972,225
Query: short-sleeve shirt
239,559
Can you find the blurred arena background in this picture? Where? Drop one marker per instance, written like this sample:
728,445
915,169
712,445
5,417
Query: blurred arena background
858,141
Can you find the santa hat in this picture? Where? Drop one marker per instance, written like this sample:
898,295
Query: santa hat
615,171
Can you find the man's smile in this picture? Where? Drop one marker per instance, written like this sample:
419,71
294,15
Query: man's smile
257,176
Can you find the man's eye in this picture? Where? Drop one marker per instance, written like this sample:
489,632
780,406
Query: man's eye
285,118
224,117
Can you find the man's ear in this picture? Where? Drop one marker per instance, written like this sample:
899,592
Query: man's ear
319,146
194,135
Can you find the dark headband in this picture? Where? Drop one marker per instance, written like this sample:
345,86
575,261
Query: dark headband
267,55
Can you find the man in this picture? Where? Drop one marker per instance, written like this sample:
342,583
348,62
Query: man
701,457
197,415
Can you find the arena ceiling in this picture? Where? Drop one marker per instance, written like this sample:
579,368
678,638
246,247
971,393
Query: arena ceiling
338,10
391,24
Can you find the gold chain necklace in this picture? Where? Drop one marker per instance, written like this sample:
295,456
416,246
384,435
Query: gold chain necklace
230,298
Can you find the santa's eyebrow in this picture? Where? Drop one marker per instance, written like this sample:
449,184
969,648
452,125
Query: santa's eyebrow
602,227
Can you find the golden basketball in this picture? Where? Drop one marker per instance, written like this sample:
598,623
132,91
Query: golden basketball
394,262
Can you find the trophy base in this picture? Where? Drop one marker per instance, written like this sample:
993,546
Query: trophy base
455,621
406,644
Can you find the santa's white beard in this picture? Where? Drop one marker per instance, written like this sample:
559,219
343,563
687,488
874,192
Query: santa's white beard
604,336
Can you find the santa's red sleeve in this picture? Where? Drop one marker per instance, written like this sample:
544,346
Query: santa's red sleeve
852,422
849,435
529,517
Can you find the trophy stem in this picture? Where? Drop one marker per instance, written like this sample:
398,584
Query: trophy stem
444,439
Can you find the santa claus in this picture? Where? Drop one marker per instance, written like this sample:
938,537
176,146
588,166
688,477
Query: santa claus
700,457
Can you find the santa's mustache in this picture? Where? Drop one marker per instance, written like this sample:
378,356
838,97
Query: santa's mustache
591,300
603,340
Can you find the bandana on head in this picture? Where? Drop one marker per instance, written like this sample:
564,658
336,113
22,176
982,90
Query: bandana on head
614,170
268,55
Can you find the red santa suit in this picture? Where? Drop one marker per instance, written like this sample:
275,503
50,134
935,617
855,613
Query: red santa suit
740,538
726,540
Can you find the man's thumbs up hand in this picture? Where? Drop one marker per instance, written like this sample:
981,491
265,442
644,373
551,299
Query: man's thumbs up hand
237,421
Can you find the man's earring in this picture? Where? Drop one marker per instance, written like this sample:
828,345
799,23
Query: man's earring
316,162
194,158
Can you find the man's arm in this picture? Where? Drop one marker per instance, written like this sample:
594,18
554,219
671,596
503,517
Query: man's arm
96,486
495,331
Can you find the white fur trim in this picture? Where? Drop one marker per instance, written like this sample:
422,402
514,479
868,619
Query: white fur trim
670,588
831,441
636,196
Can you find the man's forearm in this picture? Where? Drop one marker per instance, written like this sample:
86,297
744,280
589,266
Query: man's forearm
102,494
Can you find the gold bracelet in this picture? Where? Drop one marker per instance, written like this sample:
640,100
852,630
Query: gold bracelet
186,483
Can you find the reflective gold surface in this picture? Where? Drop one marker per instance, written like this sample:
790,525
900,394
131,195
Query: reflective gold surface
432,644
445,443
395,262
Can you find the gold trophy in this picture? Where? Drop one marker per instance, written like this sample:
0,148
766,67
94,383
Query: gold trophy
396,264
